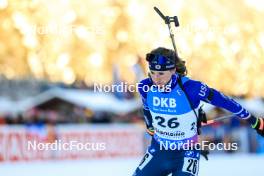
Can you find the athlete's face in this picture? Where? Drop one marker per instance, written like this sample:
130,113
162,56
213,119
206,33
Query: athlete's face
161,78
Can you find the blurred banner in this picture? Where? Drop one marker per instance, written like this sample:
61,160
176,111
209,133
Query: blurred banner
21,143
68,142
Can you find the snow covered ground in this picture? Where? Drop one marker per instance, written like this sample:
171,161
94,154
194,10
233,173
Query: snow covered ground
218,165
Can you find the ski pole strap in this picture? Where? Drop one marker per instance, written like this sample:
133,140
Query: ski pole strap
259,124
256,123
150,131
179,80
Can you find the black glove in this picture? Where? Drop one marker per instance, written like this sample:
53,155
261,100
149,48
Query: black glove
205,153
259,126
201,119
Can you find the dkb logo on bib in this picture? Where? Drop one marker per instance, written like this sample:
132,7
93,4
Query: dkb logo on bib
164,102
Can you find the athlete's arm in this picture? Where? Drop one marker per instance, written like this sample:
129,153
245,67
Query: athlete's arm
201,91
142,89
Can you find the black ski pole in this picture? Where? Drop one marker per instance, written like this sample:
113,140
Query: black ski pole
167,21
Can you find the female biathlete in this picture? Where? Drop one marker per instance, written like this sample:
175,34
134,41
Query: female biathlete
171,111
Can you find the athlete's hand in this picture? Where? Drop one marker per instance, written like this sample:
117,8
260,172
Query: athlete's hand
150,131
259,126
205,153
201,119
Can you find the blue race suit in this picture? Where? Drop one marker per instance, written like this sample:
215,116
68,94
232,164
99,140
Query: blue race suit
174,122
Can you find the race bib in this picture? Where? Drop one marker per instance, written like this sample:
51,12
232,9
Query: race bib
175,127
191,165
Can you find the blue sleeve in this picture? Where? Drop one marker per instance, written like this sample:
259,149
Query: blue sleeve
221,100
199,91
143,87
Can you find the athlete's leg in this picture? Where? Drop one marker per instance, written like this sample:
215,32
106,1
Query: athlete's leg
151,165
